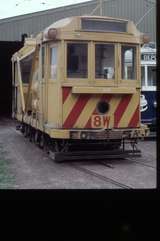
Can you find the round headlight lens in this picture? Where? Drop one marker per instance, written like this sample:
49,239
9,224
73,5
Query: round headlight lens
103,107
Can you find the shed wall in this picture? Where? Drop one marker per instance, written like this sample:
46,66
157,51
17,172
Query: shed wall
11,29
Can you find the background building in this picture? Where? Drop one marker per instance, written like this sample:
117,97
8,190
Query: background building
12,30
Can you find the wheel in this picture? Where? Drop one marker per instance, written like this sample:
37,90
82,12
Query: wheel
41,141
26,131
36,137
22,128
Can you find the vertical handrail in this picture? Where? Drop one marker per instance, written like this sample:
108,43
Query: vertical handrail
20,84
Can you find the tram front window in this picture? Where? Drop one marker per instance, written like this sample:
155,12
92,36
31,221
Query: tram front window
77,60
105,61
151,76
128,60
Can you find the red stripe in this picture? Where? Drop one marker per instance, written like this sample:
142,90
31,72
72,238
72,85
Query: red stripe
88,125
103,97
76,111
95,110
66,91
135,118
120,109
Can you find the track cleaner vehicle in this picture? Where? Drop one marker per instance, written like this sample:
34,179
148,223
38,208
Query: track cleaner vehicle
76,93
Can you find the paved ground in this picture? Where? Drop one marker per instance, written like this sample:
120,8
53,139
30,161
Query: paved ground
24,166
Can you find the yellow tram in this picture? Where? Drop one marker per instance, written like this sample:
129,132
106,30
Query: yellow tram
77,84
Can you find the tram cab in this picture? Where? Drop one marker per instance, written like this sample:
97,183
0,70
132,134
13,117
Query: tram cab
148,82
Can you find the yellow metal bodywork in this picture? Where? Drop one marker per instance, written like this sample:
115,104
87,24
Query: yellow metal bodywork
101,90
43,95
89,113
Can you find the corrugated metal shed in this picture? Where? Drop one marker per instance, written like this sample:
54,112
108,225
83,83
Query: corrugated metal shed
11,29
139,11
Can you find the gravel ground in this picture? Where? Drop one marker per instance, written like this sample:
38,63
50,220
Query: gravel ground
25,166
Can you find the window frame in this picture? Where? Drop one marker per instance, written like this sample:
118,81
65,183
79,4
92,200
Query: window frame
130,82
77,81
21,59
43,57
52,45
117,81
101,81
103,20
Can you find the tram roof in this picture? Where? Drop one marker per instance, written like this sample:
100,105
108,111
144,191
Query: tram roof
72,28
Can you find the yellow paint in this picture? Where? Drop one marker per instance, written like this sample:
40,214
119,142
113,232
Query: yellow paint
68,105
130,110
87,112
114,102
59,134
103,90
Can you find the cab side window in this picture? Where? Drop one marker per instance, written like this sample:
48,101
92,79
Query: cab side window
53,62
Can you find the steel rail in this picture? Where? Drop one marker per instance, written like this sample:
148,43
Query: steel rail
102,177
143,164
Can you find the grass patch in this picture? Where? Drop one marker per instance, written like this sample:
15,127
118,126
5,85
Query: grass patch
6,179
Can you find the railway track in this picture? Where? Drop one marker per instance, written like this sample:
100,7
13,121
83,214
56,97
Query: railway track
118,184
115,174
141,163
101,177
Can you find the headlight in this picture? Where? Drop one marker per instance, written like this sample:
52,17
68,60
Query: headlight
83,135
155,104
103,107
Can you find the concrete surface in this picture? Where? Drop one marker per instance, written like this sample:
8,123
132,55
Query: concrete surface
31,168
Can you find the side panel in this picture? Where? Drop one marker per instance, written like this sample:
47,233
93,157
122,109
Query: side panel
54,104
80,110
148,108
